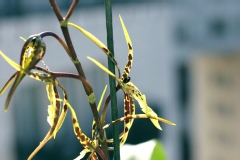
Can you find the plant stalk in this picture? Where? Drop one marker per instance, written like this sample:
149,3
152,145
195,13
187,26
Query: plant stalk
64,27
112,82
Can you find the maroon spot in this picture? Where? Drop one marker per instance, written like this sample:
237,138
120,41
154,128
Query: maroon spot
105,50
82,138
126,96
130,57
126,69
74,120
126,129
126,108
126,103
77,131
129,46
129,64
127,120
65,108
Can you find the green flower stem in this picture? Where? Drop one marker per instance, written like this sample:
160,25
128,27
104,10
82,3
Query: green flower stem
112,82
63,23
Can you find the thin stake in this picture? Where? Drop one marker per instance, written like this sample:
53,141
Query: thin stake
112,82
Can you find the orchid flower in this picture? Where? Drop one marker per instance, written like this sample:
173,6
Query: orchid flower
32,52
55,119
132,90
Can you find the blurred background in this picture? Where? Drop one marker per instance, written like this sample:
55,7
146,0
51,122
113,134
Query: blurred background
186,61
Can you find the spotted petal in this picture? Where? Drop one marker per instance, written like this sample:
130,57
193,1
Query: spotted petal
128,65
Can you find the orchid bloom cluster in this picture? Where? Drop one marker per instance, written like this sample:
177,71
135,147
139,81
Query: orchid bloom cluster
33,51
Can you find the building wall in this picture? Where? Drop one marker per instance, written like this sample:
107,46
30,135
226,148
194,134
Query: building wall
215,111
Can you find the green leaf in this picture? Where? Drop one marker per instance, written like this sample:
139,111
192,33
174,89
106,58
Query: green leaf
158,152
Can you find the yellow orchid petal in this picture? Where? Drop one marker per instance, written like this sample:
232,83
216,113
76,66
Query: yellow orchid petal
11,62
141,98
18,78
52,106
51,94
102,67
128,65
101,99
148,111
8,83
128,40
129,109
97,42
155,122
50,117
83,139
98,108
139,116
91,37
22,39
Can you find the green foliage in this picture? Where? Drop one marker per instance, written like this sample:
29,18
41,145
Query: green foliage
158,152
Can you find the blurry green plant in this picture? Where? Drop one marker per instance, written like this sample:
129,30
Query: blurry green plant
153,150
32,53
